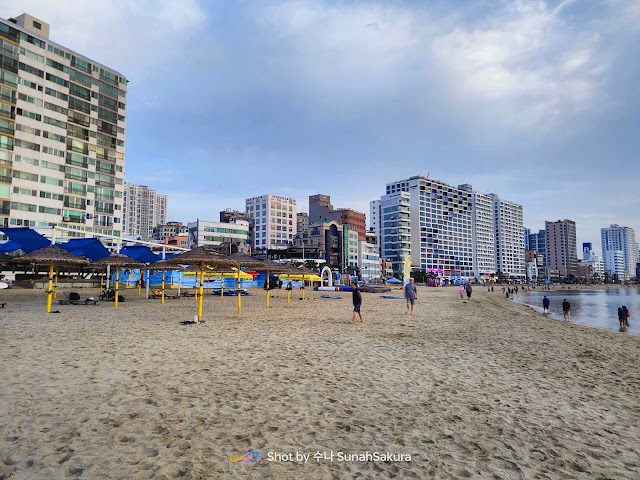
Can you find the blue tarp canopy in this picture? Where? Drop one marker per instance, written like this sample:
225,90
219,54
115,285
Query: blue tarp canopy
394,280
10,246
91,248
142,254
27,239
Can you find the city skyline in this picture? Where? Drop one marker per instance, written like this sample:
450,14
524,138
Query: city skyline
521,98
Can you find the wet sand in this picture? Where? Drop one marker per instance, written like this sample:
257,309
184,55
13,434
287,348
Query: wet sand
482,389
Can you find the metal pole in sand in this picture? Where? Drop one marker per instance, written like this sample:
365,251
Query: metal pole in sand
50,290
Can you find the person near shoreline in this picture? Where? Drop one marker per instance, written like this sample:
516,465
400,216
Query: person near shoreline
566,309
625,316
468,289
357,303
461,290
545,304
411,294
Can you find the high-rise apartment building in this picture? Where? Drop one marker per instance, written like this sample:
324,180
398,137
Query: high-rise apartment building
144,210
484,236
508,218
275,221
62,134
302,222
561,247
622,239
374,218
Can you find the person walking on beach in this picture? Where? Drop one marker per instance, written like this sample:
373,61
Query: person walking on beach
545,304
411,294
357,302
468,289
566,308
461,290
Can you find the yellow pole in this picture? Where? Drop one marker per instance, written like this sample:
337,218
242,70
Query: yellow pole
222,285
117,275
140,283
268,285
201,291
50,290
195,287
288,290
162,299
238,288
303,289
55,285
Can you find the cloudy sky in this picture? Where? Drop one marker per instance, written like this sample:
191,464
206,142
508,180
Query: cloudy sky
538,101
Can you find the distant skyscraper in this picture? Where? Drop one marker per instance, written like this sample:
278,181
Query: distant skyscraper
144,209
537,242
527,232
622,239
374,219
484,236
561,247
586,250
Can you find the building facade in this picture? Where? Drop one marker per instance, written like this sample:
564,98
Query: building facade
508,218
484,237
614,264
203,232
621,239
395,229
144,210
561,248
537,242
321,210
169,229
62,134
275,221
368,262
374,220
302,222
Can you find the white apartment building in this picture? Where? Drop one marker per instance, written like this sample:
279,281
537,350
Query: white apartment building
144,210
614,263
62,134
509,227
395,229
275,220
203,232
623,239
368,262
484,236
441,225
351,251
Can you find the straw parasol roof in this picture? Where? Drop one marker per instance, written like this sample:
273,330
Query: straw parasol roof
273,267
165,265
118,260
247,261
204,254
52,253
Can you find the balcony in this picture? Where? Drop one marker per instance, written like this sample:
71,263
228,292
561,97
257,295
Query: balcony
77,205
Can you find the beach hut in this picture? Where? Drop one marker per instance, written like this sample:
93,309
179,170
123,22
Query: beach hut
203,256
117,260
52,255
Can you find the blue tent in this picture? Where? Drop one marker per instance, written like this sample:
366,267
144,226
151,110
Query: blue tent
140,253
91,248
394,280
27,239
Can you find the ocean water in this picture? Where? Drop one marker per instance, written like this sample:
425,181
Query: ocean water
592,308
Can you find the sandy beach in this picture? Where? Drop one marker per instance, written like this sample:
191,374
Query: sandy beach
482,389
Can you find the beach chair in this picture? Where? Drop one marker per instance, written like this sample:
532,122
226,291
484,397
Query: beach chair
67,298
88,301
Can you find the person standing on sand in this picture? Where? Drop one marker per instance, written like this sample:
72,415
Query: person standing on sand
545,304
411,294
357,302
461,290
468,289
566,308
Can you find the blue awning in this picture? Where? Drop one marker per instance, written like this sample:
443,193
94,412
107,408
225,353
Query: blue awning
140,253
28,239
91,248
9,246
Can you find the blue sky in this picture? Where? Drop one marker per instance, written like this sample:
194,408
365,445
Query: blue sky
536,101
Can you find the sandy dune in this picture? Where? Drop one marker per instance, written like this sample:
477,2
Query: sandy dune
483,389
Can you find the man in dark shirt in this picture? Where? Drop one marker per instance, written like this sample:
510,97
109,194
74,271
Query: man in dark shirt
566,307
411,294
357,302
545,304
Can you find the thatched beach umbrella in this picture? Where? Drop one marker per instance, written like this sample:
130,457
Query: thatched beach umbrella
163,265
270,267
304,271
52,254
118,260
203,256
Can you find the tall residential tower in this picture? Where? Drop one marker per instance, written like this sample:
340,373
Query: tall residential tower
62,133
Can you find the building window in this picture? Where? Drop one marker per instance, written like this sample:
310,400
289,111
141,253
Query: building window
37,25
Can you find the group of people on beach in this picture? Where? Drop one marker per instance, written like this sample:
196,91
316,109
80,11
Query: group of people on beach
410,295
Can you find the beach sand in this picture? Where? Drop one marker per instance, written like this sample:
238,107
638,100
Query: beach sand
482,389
